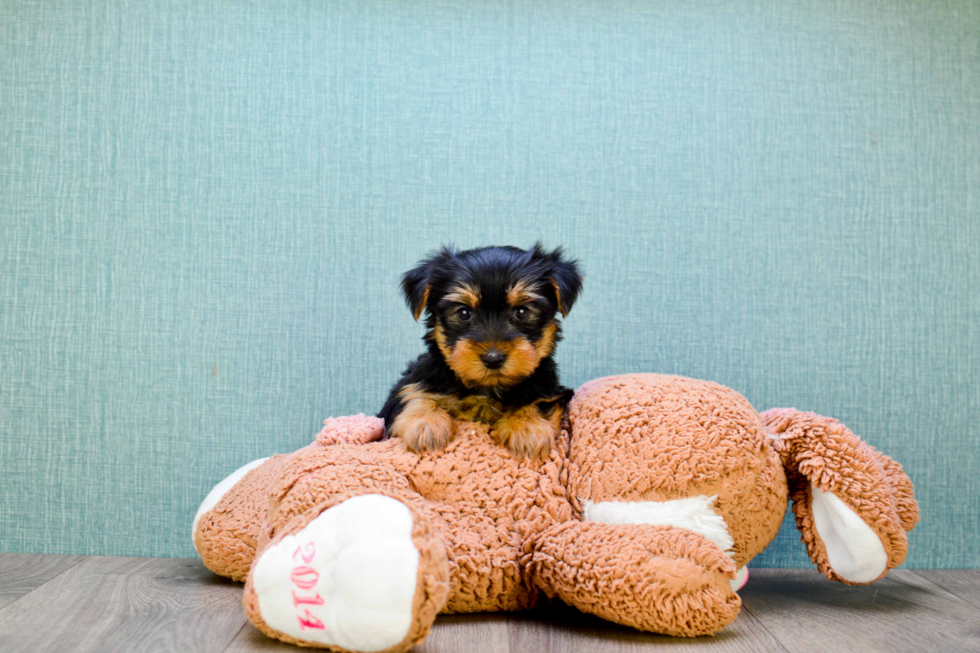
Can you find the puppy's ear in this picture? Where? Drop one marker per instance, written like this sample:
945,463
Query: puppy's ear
564,277
415,285
567,281
417,282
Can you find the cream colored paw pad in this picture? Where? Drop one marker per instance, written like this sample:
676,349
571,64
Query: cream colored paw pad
347,579
854,550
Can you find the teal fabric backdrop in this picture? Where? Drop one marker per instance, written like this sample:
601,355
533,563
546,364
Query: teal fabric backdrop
206,206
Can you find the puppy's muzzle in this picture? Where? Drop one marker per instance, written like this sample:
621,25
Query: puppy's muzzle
493,359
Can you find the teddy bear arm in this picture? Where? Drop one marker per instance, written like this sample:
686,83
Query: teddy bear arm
853,505
901,485
660,579
229,523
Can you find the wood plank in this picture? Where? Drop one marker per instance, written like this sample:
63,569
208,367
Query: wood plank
251,640
552,628
476,633
902,612
964,583
21,573
73,603
126,604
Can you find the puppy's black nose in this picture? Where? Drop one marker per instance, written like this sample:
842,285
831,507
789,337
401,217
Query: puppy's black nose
493,359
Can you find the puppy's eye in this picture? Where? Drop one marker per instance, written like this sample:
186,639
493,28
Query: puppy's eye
464,314
521,313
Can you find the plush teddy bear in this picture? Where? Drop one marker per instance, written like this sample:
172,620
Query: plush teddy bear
658,492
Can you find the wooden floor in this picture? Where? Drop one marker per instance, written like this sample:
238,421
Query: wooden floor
76,603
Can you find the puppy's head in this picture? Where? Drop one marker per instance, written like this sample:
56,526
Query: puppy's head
491,311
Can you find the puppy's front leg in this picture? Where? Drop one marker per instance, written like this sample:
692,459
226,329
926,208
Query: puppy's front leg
421,423
527,431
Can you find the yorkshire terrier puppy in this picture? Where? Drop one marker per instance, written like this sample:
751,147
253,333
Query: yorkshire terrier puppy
490,335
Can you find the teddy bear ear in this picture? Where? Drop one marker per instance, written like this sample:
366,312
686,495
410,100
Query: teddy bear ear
417,282
353,429
850,511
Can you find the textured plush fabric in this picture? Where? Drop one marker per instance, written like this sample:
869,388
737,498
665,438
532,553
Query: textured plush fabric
229,533
431,589
481,501
205,207
492,531
822,453
354,429
648,437
655,578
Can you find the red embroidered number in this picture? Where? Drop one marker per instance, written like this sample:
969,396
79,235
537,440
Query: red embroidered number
311,600
310,621
310,552
305,578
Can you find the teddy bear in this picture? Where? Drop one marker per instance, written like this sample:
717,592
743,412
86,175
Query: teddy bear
655,496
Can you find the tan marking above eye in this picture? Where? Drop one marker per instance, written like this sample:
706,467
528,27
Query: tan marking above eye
522,292
464,294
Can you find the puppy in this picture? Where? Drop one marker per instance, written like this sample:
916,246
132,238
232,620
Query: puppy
490,335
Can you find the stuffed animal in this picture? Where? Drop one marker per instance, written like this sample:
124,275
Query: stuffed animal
646,511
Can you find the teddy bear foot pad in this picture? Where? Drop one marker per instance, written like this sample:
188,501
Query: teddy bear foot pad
347,579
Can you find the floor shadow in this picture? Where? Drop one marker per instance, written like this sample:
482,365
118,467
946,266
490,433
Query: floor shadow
787,593
553,614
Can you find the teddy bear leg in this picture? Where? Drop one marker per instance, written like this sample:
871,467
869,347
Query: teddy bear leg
853,505
227,526
367,573
661,579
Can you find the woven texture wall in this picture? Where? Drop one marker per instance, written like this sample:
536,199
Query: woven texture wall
205,207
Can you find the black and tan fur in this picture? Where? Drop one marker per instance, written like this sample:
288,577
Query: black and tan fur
491,331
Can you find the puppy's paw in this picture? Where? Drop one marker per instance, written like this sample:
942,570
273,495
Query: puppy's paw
526,432
424,430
